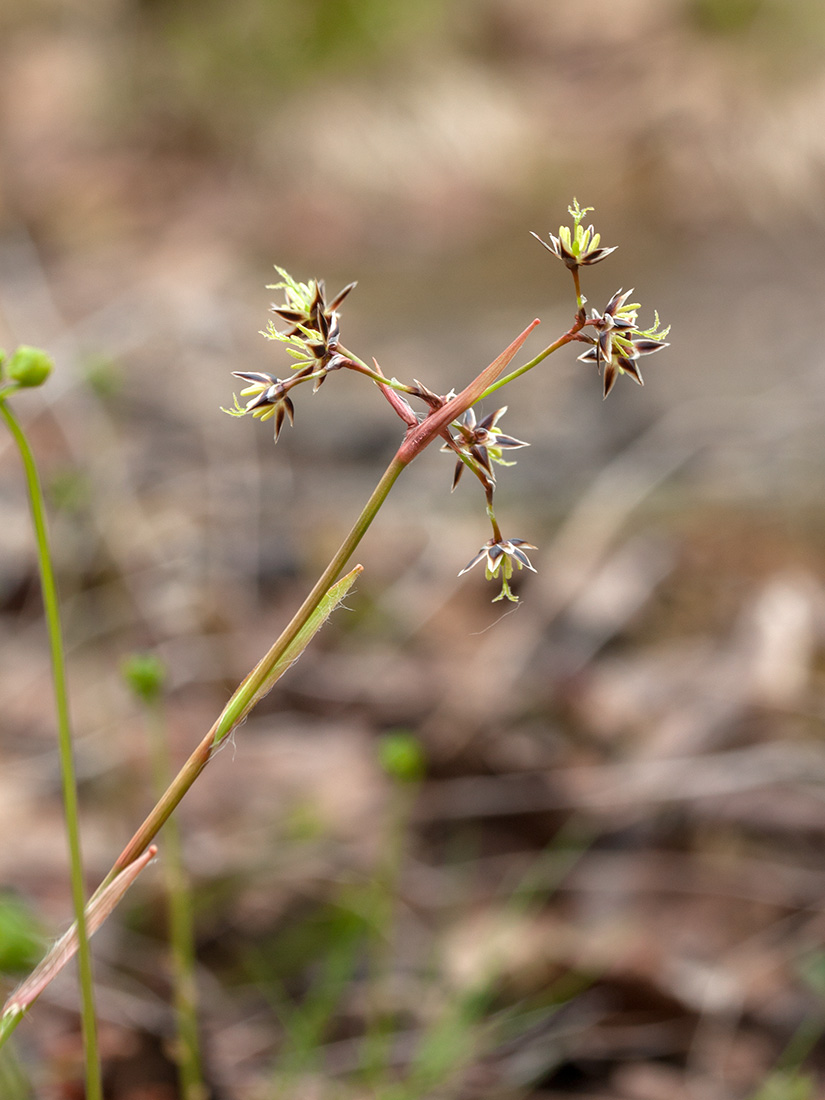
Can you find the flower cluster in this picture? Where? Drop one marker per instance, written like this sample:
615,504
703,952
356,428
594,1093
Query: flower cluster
614,342
268,398
620,343
312,341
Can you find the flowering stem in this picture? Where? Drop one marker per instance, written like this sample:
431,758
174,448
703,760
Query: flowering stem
94,1089
260,679
246,695
247,692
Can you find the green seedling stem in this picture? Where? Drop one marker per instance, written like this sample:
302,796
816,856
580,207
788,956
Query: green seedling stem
94,1088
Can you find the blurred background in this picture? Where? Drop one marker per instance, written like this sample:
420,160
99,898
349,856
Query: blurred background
604,875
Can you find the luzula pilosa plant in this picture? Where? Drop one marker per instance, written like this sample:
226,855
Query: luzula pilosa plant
613,341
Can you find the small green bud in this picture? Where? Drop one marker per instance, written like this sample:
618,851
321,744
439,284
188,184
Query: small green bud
145,674
401,755
29,367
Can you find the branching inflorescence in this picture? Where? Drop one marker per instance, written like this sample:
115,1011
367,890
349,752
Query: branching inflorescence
615,344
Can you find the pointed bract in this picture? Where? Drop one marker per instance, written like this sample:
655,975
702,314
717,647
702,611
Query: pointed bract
648,347
611,373
341,295
630,367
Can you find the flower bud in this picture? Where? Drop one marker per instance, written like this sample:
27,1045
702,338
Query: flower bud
29,367
402,756
145,674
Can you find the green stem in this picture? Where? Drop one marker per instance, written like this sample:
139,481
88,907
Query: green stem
384,910
181,924
542,355
94,1089
497,535
246,693
358,364
13,1084
577,283
238,706
261,678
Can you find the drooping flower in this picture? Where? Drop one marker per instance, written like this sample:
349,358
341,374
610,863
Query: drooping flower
620,343
498,557
482,442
